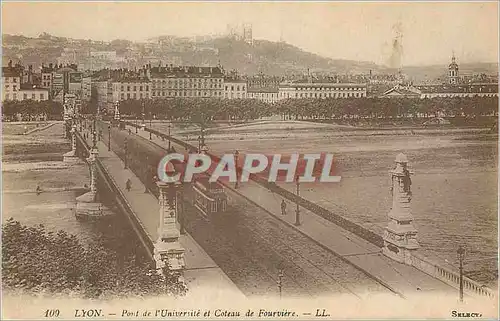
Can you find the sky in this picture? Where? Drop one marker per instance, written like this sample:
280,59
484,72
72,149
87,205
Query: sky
431,32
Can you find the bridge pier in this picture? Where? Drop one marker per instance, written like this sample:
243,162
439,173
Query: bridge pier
167,249
87,205
400,236
71,157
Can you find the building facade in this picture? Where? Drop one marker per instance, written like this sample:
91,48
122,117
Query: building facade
104,92
235,88
186,81
131,89
86,88
267,95
31,92
313,89
11,81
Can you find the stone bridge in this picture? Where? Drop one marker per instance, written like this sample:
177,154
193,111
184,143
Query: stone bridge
107,146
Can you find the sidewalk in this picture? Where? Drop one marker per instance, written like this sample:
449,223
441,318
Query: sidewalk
201,271
400,278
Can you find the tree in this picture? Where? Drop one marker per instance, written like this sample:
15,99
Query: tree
37,260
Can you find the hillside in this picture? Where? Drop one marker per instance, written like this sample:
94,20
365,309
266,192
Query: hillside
272,58
268,57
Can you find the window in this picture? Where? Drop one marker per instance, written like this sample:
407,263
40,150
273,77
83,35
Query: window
147,87
128,88
135,96
7,96
135,89
122,87
128,95
226,87
14,96
232,88
42,96
243,88
14,79
140,89
238,88
122,96
14,87
25,96
33,96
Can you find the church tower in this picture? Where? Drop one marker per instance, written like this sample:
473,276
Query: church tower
453,72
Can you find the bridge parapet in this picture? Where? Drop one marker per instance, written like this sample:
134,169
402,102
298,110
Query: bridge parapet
451,278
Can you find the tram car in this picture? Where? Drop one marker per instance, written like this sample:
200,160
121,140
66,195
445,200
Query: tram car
209,197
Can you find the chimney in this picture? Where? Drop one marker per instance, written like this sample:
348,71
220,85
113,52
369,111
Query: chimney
10,63
50,66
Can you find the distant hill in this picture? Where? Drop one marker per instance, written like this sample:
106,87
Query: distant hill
267,57
277,58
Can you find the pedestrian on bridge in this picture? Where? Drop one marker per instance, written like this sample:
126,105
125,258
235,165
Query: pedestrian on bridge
283,207
128,185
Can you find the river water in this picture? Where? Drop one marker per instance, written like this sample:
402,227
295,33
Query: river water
454,183
36,160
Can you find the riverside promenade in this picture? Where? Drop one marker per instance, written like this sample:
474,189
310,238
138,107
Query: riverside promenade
201,271
402,279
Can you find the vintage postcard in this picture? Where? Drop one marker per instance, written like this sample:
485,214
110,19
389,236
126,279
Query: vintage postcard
249,160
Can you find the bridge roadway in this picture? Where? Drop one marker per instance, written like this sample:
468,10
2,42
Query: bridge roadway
356,253
250,245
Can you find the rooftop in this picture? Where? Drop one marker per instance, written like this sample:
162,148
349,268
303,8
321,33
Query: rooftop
186,71
465,88
27,87
11,71
263,90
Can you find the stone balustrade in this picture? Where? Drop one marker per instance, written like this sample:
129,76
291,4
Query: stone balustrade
450,277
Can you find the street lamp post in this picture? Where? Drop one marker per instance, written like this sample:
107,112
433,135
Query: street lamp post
236,154
297,210
169,142
109,137
280,280
94,135
150,126
181,210
126,150
461,256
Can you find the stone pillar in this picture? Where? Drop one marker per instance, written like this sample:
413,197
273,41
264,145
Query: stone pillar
71,156
167,249
87,205
117,112
400,236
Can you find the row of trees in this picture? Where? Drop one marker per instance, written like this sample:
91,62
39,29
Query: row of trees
40,261
199,109
374,108
31,109
195,109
